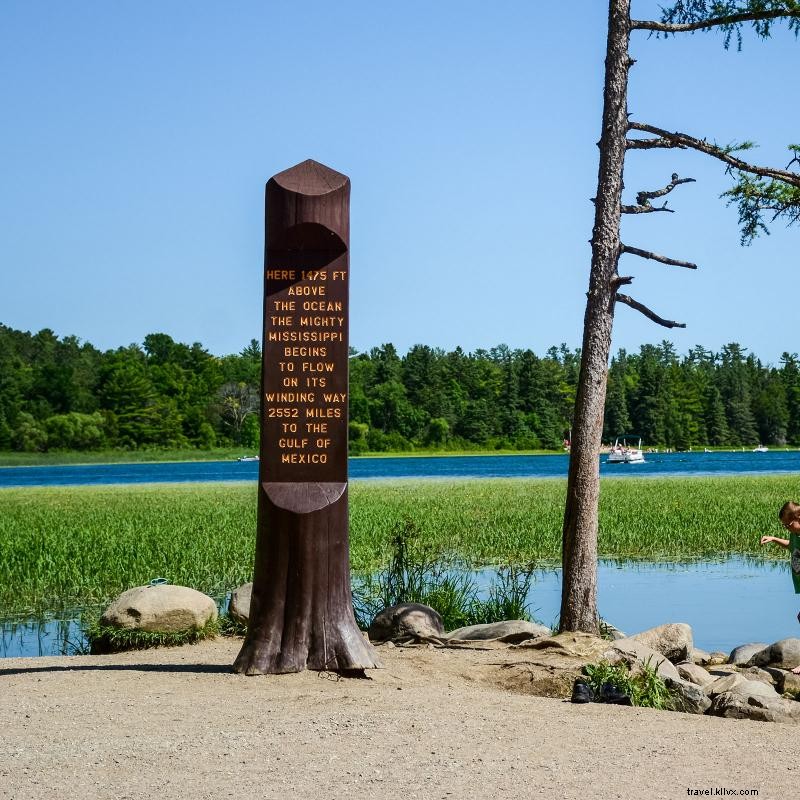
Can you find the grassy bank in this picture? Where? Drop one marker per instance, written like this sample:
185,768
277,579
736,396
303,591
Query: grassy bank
66,545
14,459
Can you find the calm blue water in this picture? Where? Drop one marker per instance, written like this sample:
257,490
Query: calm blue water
727,603
555,466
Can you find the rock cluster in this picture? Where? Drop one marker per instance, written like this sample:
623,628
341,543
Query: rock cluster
753,682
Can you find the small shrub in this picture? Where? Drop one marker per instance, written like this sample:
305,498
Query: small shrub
645,688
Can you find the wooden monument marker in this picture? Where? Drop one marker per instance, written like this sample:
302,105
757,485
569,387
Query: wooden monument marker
301,612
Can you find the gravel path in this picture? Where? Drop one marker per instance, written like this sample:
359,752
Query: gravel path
176,723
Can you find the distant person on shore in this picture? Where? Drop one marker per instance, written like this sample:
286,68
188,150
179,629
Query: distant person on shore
789,515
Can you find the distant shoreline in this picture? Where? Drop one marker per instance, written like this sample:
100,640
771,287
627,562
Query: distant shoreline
103,458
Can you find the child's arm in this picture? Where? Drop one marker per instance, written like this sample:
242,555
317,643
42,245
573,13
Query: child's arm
768,539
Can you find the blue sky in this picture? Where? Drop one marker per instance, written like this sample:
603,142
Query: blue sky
138,136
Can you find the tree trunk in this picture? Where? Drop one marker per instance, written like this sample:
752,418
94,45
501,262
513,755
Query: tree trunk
579,547
301,612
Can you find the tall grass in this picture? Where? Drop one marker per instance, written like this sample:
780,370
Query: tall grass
79,545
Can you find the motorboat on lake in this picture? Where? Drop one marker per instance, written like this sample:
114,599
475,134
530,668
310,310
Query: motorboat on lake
623,451
247,458
762,448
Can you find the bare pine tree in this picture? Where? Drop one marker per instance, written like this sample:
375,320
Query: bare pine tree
757,191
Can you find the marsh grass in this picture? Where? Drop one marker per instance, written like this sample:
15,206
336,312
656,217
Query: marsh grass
418,574
75,546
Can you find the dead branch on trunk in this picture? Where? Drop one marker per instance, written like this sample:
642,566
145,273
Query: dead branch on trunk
636,251
683,140
629,301
643,205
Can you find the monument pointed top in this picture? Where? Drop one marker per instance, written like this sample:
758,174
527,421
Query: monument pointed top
309,177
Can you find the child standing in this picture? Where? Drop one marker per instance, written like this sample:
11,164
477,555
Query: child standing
789,515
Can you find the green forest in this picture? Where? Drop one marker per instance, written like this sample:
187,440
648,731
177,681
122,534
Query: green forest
62,394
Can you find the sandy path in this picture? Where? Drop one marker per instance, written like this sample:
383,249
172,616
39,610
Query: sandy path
176,723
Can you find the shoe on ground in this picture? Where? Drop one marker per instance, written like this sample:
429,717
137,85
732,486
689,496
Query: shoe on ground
582,693
610,694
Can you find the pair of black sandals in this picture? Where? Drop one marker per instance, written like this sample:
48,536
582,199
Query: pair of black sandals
583,693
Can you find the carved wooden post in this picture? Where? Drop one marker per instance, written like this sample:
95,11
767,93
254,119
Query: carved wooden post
301,612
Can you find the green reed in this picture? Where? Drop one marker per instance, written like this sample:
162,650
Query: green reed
80,545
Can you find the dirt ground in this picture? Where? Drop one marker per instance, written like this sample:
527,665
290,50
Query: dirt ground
177,723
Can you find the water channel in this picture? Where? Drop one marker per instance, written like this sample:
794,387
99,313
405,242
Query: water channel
727,603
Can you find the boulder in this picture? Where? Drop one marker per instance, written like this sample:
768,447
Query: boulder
701,657
636,654
763,709
790,684
688,697
239,609
716,658
162,609
694,673
406,622
673,640
738,684
610,632
785,682
744,652
758,674
784,654
517,630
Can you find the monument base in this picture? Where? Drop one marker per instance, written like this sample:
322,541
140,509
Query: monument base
301,612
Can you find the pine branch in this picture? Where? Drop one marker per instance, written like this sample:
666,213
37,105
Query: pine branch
656,257
683,140
728,20
629,301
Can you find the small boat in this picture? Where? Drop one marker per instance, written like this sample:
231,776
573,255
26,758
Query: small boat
762,448
623,452
247,458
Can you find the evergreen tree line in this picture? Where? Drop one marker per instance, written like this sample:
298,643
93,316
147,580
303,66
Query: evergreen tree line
64,394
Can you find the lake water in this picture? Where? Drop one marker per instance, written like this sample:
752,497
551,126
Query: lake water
511,466
727,603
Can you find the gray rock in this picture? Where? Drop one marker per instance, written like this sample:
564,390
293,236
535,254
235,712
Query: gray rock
688,697
784,654
636,653
790,684
406,622
763,709
785,682
163,609
701,657
673,640
694,673
239,609
742,654
516,629
758,674
611,632
738,684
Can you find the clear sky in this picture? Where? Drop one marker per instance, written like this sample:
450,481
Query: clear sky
137,138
